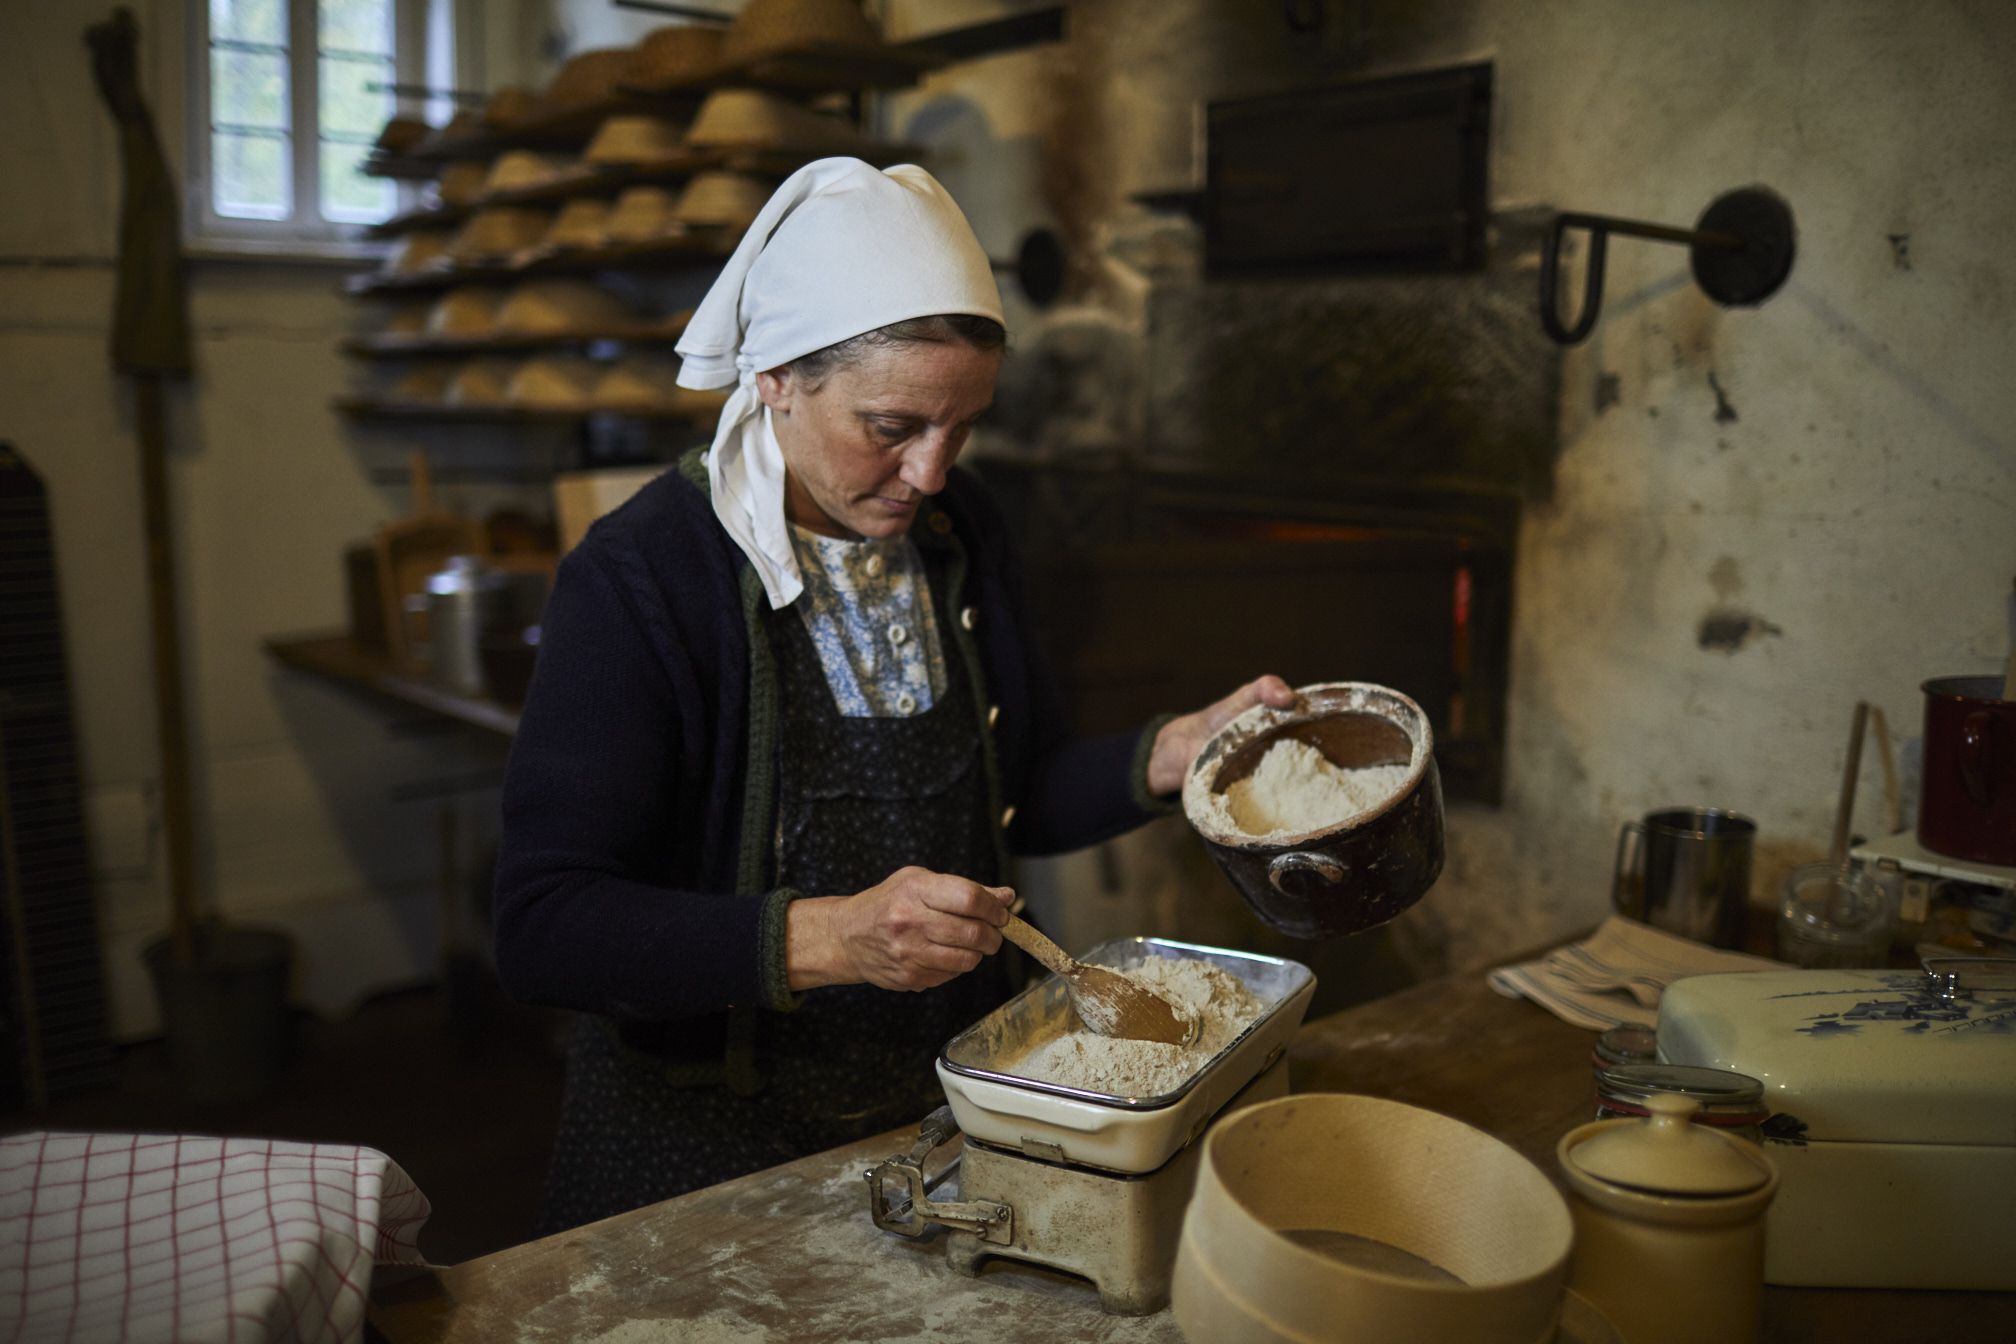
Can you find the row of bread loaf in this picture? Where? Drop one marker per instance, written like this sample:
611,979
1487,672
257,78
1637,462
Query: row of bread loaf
636,382
547,307
678,54
729,122
711,203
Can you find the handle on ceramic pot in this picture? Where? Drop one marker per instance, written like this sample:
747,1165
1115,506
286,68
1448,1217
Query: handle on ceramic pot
1977,733
1300,861
1631,841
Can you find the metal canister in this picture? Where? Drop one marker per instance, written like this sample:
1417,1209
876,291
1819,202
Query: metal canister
1730,1102
452,602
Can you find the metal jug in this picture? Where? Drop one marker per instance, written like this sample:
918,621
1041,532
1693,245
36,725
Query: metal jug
1686,870
447,622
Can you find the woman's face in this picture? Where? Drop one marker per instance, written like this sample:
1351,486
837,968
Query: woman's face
863,448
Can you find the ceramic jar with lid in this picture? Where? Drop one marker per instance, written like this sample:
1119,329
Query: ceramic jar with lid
1669,1224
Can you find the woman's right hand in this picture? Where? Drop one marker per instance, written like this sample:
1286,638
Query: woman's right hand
913,930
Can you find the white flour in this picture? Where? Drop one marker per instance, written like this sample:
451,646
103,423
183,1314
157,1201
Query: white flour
1124,1068
1296,789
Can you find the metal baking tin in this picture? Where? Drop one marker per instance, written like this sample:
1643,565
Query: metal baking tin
1101,1129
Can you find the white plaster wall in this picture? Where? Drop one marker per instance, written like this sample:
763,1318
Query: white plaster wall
1862,499
295,790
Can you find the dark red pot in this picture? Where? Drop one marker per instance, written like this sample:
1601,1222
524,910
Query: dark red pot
1967,804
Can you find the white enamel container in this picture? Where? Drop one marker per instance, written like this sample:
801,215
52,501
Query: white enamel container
1894,1131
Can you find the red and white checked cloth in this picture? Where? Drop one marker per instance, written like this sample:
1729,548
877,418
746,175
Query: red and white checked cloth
143,1237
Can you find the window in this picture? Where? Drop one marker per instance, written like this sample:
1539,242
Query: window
292,93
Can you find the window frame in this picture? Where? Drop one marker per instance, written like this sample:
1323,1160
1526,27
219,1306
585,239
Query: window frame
306,233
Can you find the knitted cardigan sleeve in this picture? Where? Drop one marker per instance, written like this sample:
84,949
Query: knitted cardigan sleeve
590,912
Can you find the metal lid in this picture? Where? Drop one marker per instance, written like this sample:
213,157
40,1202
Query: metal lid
461,574
1715,1091
1666,1153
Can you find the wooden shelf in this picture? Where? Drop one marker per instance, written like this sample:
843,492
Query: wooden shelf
334,658
424,347
402,167
568,128
808,69
660,255
380,408
420,217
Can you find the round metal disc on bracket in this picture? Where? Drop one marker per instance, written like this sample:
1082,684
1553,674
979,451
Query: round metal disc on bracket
1746,277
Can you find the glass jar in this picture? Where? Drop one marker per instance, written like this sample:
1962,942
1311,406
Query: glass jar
1628,1044
1833,916
1730,1102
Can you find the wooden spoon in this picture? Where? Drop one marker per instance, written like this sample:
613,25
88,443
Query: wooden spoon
1107,1001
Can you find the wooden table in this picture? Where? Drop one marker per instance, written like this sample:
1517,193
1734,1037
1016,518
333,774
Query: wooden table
788,1256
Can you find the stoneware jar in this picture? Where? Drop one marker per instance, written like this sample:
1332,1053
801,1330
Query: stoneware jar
1669,1225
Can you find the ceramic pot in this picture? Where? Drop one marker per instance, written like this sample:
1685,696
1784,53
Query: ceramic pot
1363,870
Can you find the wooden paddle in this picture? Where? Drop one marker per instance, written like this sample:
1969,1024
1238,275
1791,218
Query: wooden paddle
150,342
1107,1001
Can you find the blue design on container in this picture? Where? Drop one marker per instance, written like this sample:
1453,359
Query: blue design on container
1917,1009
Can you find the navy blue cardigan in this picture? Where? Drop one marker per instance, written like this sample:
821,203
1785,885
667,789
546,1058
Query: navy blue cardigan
637,866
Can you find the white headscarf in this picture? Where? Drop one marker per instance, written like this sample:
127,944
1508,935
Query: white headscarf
841,249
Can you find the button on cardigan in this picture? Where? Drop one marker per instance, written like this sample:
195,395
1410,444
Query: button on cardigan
636,874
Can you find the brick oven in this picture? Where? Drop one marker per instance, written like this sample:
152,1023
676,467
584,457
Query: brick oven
1305,453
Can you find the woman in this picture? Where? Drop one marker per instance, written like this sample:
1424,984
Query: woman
788,723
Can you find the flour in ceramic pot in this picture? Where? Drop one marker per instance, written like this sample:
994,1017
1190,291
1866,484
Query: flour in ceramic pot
1297,789
1212,995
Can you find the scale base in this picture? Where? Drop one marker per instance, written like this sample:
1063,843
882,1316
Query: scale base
1118,1231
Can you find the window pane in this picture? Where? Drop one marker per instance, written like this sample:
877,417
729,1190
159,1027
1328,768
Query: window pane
248,89
349,197
249,20
357,25
249,176
349,108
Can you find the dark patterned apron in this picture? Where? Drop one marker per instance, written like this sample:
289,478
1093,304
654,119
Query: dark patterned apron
857,800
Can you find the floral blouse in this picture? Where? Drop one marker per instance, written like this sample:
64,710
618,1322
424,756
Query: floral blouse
868,607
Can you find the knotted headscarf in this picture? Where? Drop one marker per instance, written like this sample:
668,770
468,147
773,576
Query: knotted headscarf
842,248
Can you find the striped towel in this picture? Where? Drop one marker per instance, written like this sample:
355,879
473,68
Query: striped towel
1616,974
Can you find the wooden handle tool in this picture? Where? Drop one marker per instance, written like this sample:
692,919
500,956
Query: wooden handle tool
1107,1001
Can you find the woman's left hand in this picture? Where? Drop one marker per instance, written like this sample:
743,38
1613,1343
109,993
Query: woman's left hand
1181,739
